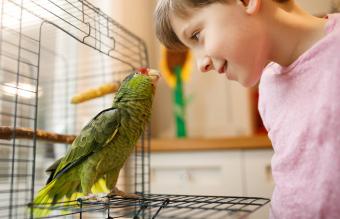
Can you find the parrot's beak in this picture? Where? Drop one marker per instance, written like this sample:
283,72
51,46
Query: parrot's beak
154,75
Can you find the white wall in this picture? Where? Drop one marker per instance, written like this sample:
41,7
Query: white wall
315,6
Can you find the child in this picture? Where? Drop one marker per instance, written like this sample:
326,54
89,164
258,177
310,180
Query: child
297,58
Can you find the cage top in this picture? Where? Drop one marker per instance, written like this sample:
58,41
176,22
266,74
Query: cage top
81,20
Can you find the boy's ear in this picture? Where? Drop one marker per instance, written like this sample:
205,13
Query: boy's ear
252,6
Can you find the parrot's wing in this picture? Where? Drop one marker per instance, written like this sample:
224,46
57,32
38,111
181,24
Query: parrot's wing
93,137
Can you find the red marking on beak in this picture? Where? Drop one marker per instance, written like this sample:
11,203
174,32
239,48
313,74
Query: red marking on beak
143,70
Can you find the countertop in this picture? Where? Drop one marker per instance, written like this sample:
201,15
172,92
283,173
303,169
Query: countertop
198,144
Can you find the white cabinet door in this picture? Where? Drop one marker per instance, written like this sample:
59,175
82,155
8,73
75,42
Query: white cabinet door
225,173
197,173
257,178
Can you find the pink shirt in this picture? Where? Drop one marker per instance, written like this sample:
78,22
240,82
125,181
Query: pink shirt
300,107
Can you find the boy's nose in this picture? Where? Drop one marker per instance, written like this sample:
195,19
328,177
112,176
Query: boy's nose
205,64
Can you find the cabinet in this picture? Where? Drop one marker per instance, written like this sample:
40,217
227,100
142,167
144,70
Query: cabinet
197,173
220,172
257,173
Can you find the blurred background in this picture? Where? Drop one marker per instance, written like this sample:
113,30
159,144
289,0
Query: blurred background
218,108
226,151
222,148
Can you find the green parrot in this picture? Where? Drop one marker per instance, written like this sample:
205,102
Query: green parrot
103,145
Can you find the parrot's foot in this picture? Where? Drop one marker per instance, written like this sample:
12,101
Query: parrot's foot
94,197
117,192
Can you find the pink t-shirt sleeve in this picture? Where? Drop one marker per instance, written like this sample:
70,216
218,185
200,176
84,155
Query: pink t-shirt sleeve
300,107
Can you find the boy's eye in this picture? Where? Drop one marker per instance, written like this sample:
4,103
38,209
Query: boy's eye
195,36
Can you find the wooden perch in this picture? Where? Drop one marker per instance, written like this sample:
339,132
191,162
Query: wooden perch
8,133
96,92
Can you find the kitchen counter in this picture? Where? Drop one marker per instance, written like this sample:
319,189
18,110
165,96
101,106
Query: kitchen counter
199,144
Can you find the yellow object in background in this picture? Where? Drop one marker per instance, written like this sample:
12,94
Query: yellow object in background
176,68
170,60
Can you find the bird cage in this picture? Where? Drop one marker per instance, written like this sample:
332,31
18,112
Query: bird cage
51,50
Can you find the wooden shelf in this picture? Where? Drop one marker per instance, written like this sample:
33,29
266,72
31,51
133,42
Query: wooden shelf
197,144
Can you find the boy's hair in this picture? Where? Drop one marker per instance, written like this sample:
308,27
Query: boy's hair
181,8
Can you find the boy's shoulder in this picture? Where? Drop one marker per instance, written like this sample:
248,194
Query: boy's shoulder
333,22
333,28
322,52
315,72
332,38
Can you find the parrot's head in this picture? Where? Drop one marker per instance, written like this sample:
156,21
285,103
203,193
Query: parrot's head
141,83
153,74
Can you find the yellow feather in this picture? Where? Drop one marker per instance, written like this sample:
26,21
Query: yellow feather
99,187
43,201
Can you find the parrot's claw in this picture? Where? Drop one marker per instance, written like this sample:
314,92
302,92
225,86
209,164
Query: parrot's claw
117,192
94,197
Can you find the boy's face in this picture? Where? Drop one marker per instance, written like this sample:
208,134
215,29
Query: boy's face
225,38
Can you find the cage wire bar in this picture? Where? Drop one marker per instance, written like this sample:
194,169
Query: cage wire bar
36,67
163,206
49,51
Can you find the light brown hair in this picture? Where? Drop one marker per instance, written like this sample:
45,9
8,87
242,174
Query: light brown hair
181,8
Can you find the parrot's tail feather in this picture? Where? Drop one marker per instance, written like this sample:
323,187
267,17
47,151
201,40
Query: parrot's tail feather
53,195
56,191
43,200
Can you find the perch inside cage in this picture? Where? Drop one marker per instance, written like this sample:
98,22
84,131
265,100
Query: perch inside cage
50,51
